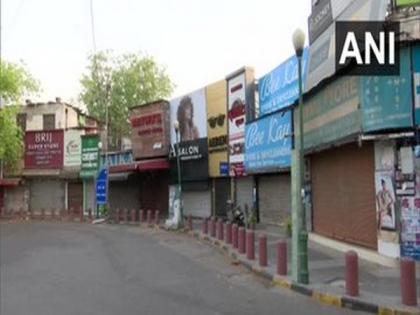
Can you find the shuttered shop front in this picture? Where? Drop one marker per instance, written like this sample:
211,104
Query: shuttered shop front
196,198
274,198
46,194
244,191
344,194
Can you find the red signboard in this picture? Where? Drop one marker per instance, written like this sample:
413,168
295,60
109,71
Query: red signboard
44,149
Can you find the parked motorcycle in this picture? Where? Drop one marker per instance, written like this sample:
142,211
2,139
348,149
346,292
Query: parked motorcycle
236,215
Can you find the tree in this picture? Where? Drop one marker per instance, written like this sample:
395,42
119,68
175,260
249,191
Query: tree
122,82
15,83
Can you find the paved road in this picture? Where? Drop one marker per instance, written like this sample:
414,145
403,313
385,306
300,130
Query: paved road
63,268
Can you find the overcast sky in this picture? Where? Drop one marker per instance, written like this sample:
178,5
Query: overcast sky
198,41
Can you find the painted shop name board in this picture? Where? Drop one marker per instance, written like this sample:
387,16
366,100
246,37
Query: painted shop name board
44,150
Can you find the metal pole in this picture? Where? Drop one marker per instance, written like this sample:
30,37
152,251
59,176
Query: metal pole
303,272
178,163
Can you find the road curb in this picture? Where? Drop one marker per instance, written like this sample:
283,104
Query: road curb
335,300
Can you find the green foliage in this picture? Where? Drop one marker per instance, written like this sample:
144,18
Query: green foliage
15,83
122,82
11,144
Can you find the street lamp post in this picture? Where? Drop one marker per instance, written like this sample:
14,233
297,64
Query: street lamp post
178,164
300,270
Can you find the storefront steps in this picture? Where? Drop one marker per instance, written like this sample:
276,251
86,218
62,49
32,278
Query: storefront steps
364,253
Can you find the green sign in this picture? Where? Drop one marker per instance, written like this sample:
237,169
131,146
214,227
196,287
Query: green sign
332,114
90,156
407,3
387,101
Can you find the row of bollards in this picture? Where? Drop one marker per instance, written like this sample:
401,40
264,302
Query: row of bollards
125,215
43,214
243,241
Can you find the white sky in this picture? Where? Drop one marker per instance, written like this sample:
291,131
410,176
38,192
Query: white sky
198,41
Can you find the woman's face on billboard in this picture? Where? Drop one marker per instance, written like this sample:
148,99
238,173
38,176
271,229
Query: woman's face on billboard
187,113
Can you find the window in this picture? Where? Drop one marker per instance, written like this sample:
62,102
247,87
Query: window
21,121
48,121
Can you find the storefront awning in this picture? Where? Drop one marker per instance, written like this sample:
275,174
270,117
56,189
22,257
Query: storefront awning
152,165
9,182
124,168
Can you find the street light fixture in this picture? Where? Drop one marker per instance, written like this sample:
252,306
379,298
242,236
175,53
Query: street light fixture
178,163
299,235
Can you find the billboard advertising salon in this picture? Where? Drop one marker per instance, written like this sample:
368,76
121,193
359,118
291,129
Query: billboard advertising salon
268,143
44,149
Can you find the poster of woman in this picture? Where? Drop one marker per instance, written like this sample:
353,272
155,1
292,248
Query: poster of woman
385,201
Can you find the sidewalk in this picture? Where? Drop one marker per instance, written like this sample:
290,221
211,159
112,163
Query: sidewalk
379,285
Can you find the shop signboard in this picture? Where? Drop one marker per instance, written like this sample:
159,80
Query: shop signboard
319,20
416,80
332,114
386,101
44,149
217,127
72,148
280,87
407,3
90,156
101,187
150,130
268,143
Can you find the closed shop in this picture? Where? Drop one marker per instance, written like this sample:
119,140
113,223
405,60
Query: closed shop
124,191
196,198
274,202
46,194
244,192
15,198
154,191
343,194
75,196
221,191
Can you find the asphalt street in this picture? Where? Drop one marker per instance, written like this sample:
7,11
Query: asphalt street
64,268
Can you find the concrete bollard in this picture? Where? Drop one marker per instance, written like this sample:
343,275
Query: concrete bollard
352,273
213,227
235,236
204,227
241,240
220,230
408,282
282,258
262,250
90,214
157,217
149,217
142,216
133,216
71,214
250,245
228,237
190,223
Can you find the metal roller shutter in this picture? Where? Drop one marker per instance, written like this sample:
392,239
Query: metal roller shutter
343,186
75,196
222,195
244,191
46,194
274,198
197,203
124,195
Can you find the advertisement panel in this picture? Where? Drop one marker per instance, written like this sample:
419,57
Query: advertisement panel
150,130
237,117
190,112
90,155
44,149
217,128
322,50
387,100
280,87
268,143
333,113
73,148
319,20
415,56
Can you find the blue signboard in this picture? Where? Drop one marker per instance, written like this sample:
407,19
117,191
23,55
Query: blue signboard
268,143
387,101
119,158
101,187
280,87
416,80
